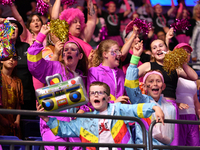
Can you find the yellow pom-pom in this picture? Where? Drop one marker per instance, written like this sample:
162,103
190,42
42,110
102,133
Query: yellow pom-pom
60,28
175,59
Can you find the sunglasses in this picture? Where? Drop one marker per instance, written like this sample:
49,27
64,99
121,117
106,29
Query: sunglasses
15,58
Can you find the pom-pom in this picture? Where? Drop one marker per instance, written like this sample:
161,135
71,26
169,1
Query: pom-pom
103,33
42,7
7,48
60,28
68,2
179,25
142,25
6,2
175,59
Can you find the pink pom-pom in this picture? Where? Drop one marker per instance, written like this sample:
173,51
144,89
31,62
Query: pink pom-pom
103,33
6,2
68,2
42,7
179,25
142,25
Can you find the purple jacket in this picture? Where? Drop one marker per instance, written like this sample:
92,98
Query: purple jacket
113,77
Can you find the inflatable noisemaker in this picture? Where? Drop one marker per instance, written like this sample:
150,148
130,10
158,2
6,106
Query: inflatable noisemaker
175,59
7,48
60,28
59,95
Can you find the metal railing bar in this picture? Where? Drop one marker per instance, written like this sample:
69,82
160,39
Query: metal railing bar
28,112
150,138
42,143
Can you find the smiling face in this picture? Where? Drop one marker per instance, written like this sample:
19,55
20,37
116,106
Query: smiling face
71,55
154,86
112,57
75,27
35,24
98,98
157,48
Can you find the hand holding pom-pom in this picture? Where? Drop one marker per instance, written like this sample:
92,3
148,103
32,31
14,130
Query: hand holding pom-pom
42,7
60,28
179,25
6,2
175,59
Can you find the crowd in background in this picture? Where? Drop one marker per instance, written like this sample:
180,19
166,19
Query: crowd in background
86,53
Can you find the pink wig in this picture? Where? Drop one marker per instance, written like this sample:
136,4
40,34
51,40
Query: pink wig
70,14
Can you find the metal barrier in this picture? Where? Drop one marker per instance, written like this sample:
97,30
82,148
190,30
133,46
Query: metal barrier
68,144
151,146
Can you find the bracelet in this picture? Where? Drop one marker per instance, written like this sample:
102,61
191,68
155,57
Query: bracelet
134,59
40,37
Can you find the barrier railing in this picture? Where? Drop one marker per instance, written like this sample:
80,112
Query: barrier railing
68,144
151,146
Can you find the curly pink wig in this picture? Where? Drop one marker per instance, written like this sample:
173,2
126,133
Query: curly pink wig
70,14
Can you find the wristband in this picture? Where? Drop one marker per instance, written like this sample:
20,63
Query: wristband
134,59
40,37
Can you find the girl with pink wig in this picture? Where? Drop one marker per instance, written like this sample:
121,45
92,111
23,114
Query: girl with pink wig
78,30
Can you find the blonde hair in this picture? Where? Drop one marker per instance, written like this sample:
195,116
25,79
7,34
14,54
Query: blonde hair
194,8
104,46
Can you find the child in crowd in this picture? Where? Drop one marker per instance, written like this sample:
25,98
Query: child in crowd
113,20
189,108
158,48
12,97
74,63
154,85
99,129
105,69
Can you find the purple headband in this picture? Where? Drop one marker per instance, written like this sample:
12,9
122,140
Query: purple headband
153,72
79,47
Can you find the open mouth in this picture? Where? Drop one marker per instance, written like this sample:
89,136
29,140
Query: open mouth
160,53
69,57
155,90
96,101
117,58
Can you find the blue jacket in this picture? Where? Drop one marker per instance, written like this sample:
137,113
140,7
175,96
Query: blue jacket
136,97
87,128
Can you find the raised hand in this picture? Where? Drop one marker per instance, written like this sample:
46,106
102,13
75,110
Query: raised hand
138,48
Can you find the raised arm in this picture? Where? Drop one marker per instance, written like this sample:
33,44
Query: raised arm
126,47
18,17
91,22
169,12
50,6
128,8
187,72
169,35
55,10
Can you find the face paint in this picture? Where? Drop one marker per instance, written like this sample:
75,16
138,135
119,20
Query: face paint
112,53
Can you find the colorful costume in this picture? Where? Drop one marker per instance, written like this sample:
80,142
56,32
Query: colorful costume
40,68
87,128
135,95
189,133
113,77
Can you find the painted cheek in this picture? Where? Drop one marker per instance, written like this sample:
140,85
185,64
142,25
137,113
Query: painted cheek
112,53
